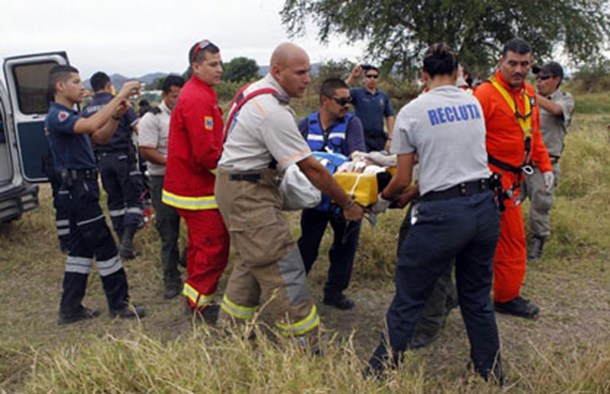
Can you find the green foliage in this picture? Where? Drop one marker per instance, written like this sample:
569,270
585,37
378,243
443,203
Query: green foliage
226,90
398,31
593,77
240,69
335,69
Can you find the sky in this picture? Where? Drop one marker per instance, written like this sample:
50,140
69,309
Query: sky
136,37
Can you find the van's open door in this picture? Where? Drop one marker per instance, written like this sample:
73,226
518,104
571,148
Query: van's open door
27,79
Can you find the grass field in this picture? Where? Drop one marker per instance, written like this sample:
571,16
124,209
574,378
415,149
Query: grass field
566,350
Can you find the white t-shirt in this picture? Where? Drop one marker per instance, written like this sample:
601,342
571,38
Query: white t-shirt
153,132
446,128
264,128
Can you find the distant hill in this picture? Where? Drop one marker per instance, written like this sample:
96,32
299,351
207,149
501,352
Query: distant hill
118,80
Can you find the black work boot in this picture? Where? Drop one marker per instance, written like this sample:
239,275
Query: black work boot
381,360
423,338
494,374
519,307
534,249
116,289
131,311
126,249
172,289
83,313
339,301
209,314
74,288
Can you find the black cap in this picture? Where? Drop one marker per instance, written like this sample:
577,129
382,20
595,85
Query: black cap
552,69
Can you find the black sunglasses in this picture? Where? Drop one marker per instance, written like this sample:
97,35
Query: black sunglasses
374,76
543,78
342,100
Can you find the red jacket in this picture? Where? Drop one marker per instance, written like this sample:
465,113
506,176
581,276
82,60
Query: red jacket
194,147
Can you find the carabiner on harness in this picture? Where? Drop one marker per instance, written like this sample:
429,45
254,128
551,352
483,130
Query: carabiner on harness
527,169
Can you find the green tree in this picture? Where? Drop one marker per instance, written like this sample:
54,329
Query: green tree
333,68
240,69
398,31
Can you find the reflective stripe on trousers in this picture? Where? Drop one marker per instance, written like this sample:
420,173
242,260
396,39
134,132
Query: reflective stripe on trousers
190,203
303,326
196,298
237,311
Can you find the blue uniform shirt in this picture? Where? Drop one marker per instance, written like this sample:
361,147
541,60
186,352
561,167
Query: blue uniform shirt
121,140
371,108
69,150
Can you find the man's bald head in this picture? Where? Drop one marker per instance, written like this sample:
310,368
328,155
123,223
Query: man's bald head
286,51
290,67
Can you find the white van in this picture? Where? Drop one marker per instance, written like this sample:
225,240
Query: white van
23,147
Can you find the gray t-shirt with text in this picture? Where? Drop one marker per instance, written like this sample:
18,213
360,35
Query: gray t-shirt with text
446,128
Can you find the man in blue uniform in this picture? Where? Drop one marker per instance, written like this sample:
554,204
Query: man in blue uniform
70,143
372,106
117,162
333,129
456,217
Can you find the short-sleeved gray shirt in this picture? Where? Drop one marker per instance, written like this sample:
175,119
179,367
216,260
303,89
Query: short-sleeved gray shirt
446,128
554,128
264,129
153,132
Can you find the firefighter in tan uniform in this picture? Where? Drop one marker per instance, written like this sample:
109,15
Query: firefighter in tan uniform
556,108
262,140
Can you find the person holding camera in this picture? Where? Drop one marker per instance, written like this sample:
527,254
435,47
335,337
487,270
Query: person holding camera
70,135
372,106
117,161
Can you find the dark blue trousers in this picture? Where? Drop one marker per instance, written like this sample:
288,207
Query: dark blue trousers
62,223
465,229
122,181
90,238
341,253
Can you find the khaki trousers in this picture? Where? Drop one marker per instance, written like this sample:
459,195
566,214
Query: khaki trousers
541,202
267,262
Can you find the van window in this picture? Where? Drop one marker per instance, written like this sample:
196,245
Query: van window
32,82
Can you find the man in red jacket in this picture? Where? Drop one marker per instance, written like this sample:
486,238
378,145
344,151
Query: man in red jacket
195,145
513,142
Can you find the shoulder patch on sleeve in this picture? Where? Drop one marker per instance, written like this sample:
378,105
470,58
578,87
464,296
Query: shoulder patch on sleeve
62,116
209,123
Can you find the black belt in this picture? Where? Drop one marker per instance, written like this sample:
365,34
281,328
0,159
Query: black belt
89,174
504,166
113,153
246,177
554,159
461,190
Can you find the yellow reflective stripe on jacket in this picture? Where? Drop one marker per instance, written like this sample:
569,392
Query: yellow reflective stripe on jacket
240,312
197,298
524,121
191,203
302,327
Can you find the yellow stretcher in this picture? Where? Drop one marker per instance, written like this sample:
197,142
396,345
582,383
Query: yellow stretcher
363,188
